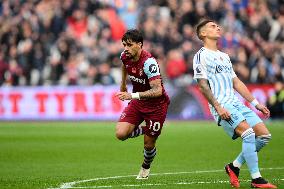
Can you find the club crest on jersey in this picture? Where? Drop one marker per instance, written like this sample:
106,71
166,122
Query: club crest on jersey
140,72
133,70
234,116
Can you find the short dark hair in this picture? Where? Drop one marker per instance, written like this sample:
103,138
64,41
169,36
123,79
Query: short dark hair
200,25
133,35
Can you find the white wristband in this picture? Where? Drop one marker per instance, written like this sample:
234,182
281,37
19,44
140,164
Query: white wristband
135,96
254,102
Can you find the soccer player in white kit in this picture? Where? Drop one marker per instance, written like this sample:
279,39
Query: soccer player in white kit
217,81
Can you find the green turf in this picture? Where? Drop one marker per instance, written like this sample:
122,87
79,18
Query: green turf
41,155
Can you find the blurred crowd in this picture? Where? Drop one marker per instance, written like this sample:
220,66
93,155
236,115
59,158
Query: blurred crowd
275,102
77,42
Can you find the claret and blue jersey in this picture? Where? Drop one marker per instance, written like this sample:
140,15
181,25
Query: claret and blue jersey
152,110
142,72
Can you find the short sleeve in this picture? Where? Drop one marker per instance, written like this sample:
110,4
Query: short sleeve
199,66
151,69
233,73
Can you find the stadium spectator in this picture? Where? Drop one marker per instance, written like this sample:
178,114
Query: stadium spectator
176,65
104,77
3,67
35,29
276,101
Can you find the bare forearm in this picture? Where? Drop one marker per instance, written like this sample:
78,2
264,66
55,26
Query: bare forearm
152,93
155,91
123,75
242,89
206,91
123,87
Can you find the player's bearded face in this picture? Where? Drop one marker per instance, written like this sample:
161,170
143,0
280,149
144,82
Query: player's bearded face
131,48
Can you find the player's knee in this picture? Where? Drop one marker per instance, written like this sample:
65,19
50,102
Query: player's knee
248,136
120,134
263,140
149,145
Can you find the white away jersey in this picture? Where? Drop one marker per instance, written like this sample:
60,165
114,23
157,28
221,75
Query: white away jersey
216,67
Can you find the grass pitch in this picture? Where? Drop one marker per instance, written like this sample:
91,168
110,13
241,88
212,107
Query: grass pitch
41,155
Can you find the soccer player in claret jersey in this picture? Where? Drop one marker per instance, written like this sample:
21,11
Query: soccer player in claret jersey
148,100
217,81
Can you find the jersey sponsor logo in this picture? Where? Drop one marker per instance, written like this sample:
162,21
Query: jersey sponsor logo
153,68
223,69
234,116
138,80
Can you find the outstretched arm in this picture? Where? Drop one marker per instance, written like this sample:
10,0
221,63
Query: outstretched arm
242,89
206,91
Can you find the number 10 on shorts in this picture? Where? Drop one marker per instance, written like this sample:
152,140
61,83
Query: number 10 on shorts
155,126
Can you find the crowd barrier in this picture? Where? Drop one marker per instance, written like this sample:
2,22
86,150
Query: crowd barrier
99,102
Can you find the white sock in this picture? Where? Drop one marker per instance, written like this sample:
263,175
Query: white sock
237,164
